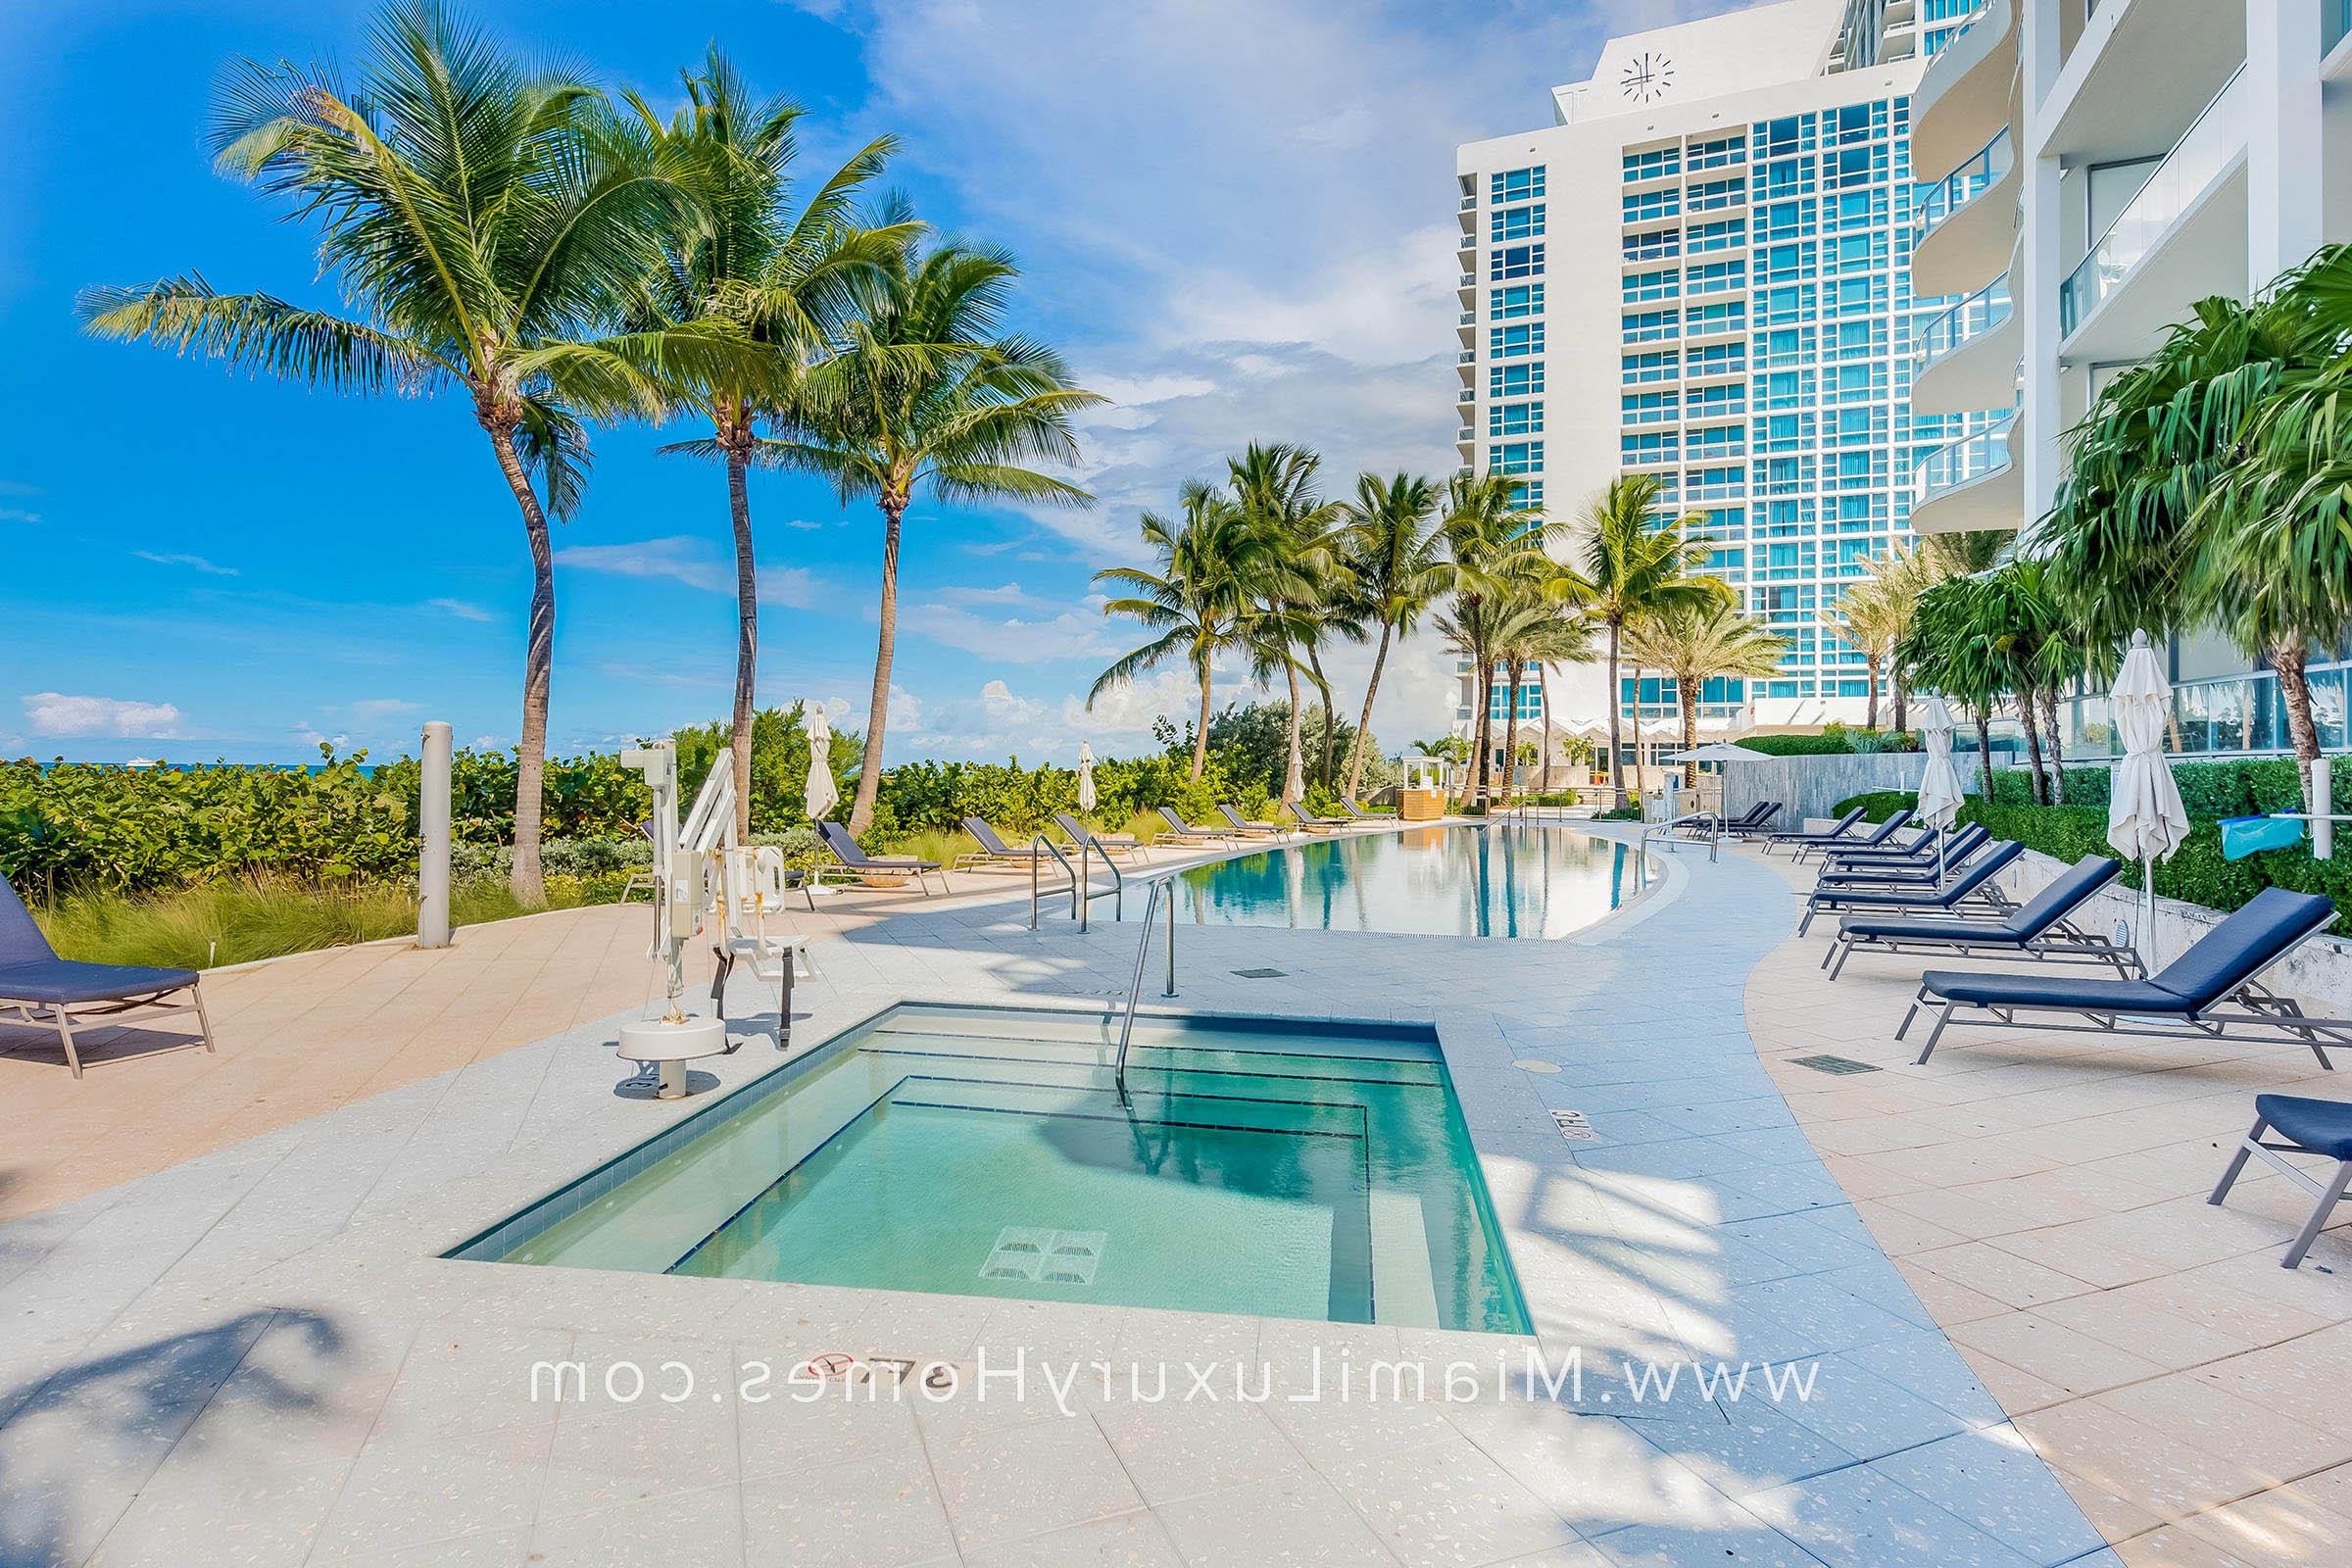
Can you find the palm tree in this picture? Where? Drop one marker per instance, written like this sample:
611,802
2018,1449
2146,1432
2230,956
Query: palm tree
1495,551
787,282
1397,568
1198,600
1869,617
485,231
1949,647
1566,638
1531,628
1274,485
1694,642
1629,566
925,391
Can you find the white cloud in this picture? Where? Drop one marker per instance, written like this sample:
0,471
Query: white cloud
790,587
1038,636
459,609
192,563
18,515
381,707
677,557
56,714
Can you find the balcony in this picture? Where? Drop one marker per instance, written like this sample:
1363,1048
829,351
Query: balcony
2181,237
1968,222
1469,204
1466,356
1969,484
2137,76
1963,97
1967,357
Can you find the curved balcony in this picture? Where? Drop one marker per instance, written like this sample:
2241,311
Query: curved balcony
1966,359
1969,484
2181,237
1963,97
1966,222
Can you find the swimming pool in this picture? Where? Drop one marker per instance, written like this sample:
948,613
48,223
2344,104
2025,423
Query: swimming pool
1278,1168
1507,879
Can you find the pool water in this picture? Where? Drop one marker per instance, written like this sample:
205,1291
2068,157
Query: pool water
1506,879
1278,1169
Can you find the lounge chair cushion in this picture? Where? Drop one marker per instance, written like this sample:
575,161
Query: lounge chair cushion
2221,960
2322,1126
2009,932
1981,988
65,980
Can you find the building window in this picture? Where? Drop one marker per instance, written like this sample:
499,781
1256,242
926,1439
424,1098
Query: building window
1516,261
1715,277
1531,702
1724,235
1514,381
1720,152
1642,206
1655,164
1717,194
1659,365
1515,419
1653,245
1648,407
1650,326
1520,299
1512,342
1515,185
1663,284
1516,222
1659,446
1516,457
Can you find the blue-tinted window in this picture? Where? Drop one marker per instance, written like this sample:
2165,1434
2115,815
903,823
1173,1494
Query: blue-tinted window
1649,327
1515,185
1515,260
1644,204
1515,419
1658,365
1517,456
1655,164
1647,408
1520,299
1663,284
1514,381
1516,222
1510,342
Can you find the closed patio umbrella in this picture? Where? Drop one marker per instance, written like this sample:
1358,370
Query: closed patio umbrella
2145,818
1086,779
823,793
1940,796
1294,785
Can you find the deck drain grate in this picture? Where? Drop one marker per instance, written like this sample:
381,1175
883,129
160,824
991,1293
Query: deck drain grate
1574,1127
1832,1065
1029,1253
1261,974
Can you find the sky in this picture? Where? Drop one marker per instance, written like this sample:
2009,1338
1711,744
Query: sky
1233,217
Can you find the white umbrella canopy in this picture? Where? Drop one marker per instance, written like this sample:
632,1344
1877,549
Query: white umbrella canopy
1940,793
823,793
1718,752
1294,783
2145,818
1086,777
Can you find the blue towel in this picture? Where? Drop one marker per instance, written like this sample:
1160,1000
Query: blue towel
2243,836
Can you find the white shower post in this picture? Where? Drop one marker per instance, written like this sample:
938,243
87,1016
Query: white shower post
433,831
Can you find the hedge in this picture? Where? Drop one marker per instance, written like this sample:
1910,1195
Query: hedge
1834,741
2197,872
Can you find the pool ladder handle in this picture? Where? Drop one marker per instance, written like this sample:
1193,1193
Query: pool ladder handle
1666,833
1143,956
1081,880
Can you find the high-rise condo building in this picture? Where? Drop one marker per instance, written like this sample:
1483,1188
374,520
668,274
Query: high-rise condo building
1703,271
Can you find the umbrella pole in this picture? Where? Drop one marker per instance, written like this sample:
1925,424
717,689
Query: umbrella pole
2148,910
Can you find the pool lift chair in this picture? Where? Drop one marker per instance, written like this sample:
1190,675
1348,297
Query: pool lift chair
704,879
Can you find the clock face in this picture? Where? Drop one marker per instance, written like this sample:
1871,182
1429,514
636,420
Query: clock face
1648,76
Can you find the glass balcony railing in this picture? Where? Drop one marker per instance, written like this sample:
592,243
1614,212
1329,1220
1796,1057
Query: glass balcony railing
1965,322
1963,461
1966,182
2335,23
2203,151
2220,713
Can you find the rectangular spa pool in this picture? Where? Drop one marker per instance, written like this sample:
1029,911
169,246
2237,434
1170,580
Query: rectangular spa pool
1264,1166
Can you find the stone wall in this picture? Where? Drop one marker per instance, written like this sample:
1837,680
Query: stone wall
1810,787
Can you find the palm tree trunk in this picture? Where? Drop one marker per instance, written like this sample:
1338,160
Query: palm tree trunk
2041,780
1295,755
2295,690
1985,749
538,669
1200,732
1544,695
1687,706
1903,716
1616,743
1314,663
1363,725
1481,729
877,708
1510,728
2049,724
1870,663
747,635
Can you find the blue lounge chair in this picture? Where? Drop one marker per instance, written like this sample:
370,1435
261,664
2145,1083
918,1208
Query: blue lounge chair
1907,872
1921,850
41,989
1248,830
2042,928
857,863
1186,833
1973,884
1751,822
1878,838
1835,833
2213,990
2318,1127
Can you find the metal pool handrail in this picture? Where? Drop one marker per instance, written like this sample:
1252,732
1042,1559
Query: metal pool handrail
1666,833
1143,956
1077,903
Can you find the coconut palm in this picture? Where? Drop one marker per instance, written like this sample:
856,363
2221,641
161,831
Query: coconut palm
1695,639
1397,563
1950,647
1532,629
1301,577
1869,617
785,279
1197,600
1494,552
485,232
926,393
1632,565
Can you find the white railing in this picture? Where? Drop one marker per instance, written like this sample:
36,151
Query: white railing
2203,151
1963,461
1965,322
1966,183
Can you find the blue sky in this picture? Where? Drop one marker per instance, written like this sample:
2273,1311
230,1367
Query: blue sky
1233,216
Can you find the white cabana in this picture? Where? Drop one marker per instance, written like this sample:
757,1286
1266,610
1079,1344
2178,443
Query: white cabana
823,793
1086,779
2145,818
1940,793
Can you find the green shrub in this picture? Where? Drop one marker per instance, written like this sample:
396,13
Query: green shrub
1834,741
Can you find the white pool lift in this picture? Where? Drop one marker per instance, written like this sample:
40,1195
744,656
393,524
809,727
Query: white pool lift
703,874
